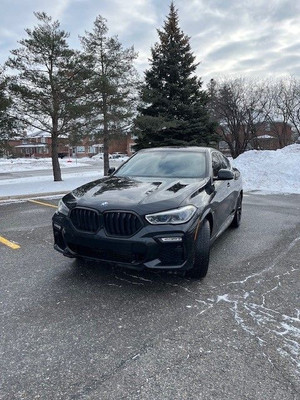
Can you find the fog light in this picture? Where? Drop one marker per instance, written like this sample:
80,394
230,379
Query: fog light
171,239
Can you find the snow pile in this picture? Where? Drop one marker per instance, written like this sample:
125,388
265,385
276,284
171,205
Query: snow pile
271,171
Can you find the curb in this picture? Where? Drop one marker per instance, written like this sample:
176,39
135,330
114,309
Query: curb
32,196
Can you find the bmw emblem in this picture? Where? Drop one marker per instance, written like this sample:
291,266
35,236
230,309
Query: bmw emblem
104,203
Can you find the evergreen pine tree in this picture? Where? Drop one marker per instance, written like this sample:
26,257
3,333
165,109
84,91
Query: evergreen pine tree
8,124
174,110
49,84
112,84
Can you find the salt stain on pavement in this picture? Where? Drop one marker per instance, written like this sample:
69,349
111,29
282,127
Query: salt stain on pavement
248,301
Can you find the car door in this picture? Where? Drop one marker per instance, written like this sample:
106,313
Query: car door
222,197
233,185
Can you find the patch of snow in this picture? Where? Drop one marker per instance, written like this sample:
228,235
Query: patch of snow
266,137
223,297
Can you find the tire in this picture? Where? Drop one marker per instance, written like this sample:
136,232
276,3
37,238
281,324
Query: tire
202,250
238,213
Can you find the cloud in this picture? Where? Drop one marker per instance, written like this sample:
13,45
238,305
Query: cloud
55,8
285,63
243,37
295,48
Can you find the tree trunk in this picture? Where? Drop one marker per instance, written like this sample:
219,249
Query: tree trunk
105,155
105,138
55,162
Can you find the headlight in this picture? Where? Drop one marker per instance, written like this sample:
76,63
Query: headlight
62,208
177,216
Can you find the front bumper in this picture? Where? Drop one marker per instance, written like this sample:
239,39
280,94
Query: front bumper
145,249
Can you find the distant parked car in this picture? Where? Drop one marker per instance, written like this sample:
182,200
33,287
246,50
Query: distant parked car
62,155
162,209
117,155
100,156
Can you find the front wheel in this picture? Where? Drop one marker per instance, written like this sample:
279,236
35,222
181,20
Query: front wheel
238,213
202,250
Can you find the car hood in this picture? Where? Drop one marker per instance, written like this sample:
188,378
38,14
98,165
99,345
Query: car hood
140,194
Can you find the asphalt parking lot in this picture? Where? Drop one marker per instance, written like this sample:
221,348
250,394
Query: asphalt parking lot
73,330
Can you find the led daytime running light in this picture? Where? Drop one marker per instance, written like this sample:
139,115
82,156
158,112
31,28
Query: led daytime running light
173,217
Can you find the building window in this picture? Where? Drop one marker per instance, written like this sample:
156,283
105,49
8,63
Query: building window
40,150
98,148
80,149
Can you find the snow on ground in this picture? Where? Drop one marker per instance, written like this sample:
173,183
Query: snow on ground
45,184
25,164
271,171
34,164
265,171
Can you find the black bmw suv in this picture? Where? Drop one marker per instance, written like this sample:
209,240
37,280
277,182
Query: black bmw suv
162,209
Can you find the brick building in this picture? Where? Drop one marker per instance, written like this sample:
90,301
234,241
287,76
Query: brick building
272,136
38,144
268,136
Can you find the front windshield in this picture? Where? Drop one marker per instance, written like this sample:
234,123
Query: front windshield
166,164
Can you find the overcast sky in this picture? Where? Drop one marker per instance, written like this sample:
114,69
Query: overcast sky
258,37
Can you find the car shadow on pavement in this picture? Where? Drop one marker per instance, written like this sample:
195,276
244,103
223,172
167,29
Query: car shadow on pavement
96,275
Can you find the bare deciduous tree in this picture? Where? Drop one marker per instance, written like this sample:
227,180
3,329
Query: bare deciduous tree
238,107
282,109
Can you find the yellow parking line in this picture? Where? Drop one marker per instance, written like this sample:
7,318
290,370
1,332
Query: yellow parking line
8,243
42,203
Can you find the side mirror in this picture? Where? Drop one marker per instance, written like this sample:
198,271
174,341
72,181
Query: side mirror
225,174
111,170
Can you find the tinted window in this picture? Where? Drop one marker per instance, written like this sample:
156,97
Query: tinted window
219,162
216,163
227,162
166,164
224,161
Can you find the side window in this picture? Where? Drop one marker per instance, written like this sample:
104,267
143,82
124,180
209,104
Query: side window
228,163
224,162
216,165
